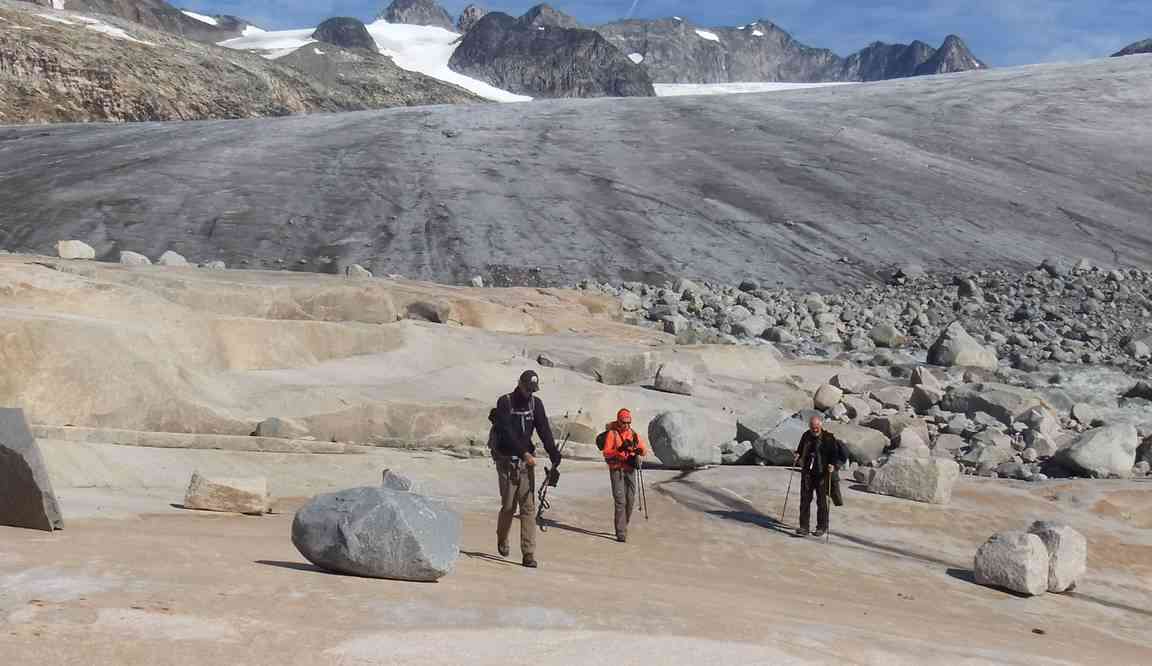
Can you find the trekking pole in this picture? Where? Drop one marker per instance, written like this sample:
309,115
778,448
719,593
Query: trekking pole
643,497
828,498
791,473
542,504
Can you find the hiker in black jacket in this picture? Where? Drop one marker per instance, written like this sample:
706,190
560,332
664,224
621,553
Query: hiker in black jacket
517,415
819,456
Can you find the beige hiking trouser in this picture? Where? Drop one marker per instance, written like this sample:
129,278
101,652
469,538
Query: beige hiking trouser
624,497
517,490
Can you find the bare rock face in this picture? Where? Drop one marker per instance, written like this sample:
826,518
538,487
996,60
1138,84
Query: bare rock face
26,496
1144,46
676,51
348,33
232,495
549,17
1016,561
418,12
469,18
158,15
544,61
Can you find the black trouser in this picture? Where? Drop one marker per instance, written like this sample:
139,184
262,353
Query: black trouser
813,483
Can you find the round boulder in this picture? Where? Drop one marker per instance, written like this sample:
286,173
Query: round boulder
379,532
681,440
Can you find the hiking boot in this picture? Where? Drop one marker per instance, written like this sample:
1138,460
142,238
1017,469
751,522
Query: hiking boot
622,539
530,562
819,533
503,549
802,532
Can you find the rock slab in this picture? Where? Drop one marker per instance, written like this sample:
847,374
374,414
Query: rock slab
682,440
26,496
1014,560
919,479
379,532
1067,554
224,494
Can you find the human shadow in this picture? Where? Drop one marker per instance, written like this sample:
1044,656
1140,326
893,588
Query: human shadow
734,508
549,523
296,566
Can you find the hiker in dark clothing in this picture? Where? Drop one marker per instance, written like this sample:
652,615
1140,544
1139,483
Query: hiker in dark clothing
819,456
517,415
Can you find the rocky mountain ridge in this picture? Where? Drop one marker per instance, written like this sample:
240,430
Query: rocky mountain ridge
536,55
59,66
1136,48
157,15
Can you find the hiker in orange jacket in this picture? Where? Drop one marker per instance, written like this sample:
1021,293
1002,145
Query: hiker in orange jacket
623,451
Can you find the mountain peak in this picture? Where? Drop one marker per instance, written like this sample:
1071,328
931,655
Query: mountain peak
1137,48
544,15
418,12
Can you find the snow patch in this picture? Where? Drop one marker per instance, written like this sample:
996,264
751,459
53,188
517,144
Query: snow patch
416,48
251,30
317,51
200,17
757,33
56,19
636,58
682,89
710,36
97,26
677,18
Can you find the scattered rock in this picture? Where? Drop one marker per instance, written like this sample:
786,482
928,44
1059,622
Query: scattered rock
223,494
864,445
1007,404
927,480
827,397
677,378
1103,452
280,428
26,496
357,272
172,259
544,361
477,282
681,440
1016,561
74,249
395,481
434,312
1086,414
128,258
955,347
852,382
925,397
1067,554
893,397
214,266
380,533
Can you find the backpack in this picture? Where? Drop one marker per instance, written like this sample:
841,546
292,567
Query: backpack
494,431
601,440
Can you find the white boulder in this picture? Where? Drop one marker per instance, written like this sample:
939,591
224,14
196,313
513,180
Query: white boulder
1067,554
171,258
128,258
74,249
1014,560
921,479
955,347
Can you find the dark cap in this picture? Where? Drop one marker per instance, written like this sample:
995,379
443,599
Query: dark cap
530,381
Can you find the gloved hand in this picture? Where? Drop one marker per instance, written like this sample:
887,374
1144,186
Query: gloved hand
634,461
552,477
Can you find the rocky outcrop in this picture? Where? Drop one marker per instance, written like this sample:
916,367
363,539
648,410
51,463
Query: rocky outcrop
348,33
64,70
1016,561
417,12
541,61
26,496
379,532
470,17
1138,48
548,16
677,51
158,15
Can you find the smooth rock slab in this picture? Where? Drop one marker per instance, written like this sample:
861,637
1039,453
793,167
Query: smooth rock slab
379,532
1067,554
1014,560
233,495
919,479
26,496
682,440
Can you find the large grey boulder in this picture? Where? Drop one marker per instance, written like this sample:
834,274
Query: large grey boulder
682,440
853,382
1103,452
956,347
1008,404
1067,554
919,479
1014,560
171,258
827,397
621,370
396,481
778,446
129,258
864,445
679,378
247,495
380,533
74,249
26,496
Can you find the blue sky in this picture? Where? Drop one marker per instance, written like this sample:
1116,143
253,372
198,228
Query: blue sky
1002,32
